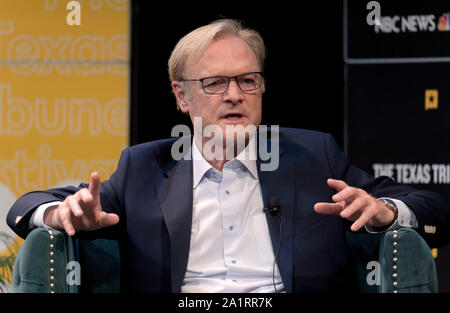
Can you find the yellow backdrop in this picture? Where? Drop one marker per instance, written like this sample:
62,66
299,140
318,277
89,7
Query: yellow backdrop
63,99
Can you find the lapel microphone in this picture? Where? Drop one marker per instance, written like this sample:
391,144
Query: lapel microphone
274,206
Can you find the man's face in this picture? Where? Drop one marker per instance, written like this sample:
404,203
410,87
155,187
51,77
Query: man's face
229,56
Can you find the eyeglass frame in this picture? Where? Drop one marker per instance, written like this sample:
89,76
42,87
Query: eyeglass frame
229,78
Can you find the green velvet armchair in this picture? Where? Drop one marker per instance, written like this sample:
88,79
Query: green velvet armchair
51,262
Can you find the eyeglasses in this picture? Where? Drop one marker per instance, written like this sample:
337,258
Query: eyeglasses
219,84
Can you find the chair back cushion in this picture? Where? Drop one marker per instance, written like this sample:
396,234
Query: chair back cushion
363,248
100,265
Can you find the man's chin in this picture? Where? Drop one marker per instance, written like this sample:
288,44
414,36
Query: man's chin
218,138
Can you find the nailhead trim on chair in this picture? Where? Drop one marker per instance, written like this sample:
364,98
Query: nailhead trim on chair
394,260
52,261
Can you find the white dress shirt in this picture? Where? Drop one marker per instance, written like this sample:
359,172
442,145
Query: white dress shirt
231,248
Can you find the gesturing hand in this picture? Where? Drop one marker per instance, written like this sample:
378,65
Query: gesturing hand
356,205
81,211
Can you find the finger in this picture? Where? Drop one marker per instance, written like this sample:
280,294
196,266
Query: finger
108,219
85,196
355,207
337,184
329,208
347,194
74,206
362,220
94,185
65,218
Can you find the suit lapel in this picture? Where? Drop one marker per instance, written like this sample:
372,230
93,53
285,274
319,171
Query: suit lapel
280,183
175,198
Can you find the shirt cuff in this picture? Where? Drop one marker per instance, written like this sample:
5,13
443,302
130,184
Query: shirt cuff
37,219
405,218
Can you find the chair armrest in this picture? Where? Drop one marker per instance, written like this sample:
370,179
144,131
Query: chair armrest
40,266
407,264
42,263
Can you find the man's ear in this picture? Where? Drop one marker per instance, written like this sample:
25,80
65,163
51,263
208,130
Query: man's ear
180,95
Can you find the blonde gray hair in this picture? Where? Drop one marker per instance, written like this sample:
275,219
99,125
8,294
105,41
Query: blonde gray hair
196,42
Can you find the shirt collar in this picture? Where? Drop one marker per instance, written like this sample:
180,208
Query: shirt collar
199,165
247,157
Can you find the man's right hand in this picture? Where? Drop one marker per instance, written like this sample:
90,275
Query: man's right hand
81,211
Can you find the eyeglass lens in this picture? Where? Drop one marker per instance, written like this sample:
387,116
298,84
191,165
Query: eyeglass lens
219,84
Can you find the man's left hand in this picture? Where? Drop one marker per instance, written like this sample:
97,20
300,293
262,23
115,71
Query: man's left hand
356,205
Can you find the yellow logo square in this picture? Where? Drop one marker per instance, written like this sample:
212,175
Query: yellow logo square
431,99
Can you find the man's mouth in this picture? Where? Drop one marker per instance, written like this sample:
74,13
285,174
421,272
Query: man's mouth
233,117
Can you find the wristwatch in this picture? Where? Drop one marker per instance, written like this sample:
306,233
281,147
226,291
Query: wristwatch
391,206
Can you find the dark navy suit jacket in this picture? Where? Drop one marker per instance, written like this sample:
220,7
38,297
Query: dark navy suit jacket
152,194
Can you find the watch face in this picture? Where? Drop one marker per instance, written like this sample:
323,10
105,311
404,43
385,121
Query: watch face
390,206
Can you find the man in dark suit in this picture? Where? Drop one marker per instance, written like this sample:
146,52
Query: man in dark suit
215,221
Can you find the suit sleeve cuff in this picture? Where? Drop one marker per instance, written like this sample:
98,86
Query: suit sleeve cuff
37,219
405,218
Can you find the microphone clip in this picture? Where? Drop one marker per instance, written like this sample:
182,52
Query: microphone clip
274,206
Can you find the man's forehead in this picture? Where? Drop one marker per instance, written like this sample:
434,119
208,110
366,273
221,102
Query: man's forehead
226,54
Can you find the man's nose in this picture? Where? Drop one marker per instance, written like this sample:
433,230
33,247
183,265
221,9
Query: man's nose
233,92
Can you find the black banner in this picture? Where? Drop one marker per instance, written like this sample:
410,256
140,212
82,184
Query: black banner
406,30
397,100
